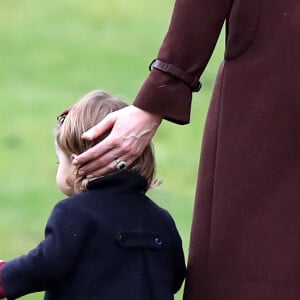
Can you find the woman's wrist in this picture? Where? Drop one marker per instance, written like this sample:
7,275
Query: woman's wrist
155,117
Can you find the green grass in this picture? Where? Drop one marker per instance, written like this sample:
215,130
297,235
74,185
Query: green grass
51,54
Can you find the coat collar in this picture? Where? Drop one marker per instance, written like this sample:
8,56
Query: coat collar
129,179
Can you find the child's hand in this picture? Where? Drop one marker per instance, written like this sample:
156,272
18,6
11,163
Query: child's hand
1,263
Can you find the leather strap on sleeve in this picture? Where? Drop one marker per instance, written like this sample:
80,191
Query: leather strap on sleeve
192,81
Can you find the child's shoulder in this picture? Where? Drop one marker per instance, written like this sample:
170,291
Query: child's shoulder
160,214
70,203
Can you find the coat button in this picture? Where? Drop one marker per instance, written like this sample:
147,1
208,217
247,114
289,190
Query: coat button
121,238
158,241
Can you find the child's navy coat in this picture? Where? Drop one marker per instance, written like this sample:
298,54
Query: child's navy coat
111,242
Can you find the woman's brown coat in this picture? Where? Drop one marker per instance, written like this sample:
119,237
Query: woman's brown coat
245,241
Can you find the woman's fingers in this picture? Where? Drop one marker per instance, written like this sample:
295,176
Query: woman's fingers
110,167
92,154
132,130
103,126
101,148
126,149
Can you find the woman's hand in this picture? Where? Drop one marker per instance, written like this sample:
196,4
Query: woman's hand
132,130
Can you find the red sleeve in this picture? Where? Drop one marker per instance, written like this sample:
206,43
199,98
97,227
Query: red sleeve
1,287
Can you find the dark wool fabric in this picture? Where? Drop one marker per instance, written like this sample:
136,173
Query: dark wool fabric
245,240
111,242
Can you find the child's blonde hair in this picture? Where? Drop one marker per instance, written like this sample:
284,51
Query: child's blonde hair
85,114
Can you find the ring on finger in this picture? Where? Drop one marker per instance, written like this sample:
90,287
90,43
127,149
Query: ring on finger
120,164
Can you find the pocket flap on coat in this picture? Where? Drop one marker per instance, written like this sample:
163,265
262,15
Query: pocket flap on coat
139,239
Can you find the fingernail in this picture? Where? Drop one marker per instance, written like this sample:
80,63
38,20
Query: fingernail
89,176
88,134
75,161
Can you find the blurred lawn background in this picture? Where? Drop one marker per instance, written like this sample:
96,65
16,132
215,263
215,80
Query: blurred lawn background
51,54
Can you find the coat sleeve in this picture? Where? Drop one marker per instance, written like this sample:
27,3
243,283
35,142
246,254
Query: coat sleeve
188,44
65,235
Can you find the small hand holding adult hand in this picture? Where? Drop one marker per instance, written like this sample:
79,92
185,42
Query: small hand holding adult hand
132,130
